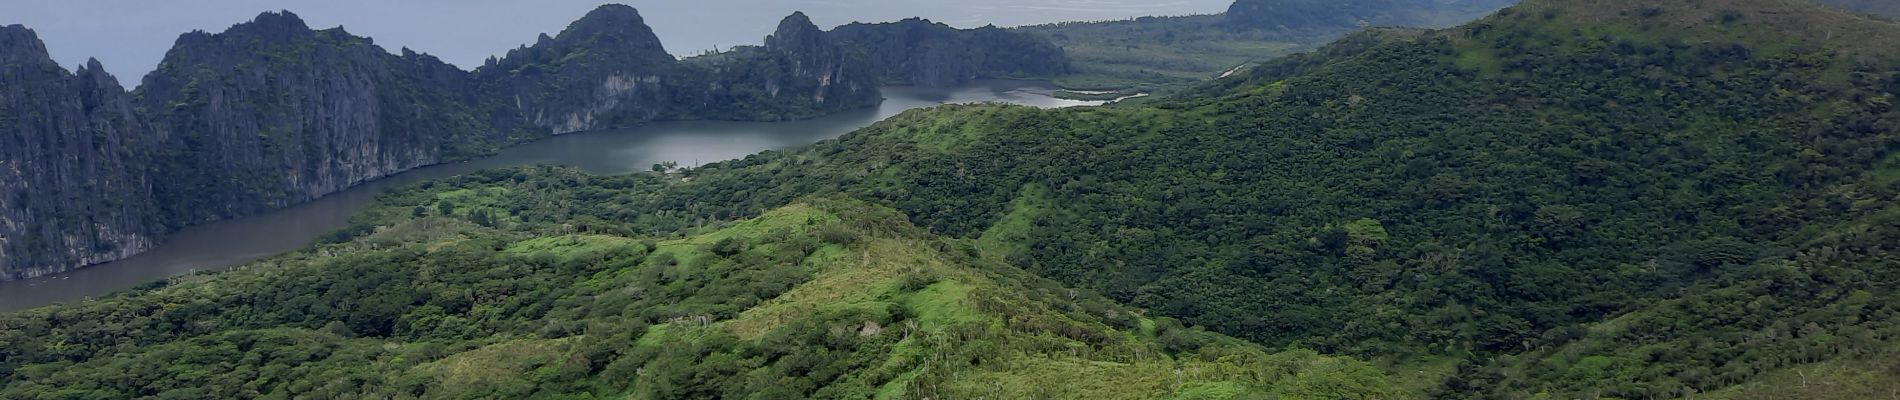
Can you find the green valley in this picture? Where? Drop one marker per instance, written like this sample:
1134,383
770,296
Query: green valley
1565,199
826,297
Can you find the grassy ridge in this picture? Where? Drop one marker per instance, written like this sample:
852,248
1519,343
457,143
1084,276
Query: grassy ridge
825,298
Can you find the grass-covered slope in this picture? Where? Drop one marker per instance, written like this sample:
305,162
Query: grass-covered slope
451,298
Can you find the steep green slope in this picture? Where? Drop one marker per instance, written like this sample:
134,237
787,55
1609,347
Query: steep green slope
452,298
1619,198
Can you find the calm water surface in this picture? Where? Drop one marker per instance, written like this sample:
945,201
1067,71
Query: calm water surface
223,244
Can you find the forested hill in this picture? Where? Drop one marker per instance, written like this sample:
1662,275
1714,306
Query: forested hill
460,294
1568,199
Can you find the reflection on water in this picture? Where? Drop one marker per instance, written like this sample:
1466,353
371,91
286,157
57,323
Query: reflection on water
220,245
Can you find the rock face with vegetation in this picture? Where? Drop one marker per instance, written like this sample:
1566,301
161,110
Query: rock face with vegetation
820,68
919,52
609,70
800,72
606,69
71,145
271,113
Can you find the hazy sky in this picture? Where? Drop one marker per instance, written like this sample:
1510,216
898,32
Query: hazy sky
130,36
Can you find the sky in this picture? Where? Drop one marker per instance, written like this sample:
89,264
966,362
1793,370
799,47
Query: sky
130,36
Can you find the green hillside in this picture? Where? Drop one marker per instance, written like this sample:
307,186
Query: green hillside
1569,199
823,298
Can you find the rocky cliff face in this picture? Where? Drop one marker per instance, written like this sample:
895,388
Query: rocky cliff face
271,113
609,70
800,72
73,189
920,52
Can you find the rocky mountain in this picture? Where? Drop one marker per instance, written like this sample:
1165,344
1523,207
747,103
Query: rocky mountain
820,67
1324,17
271,113
73,189
608,69
800,72
919,52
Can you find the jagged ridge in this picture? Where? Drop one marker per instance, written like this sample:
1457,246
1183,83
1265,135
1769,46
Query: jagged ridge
920,52
71,145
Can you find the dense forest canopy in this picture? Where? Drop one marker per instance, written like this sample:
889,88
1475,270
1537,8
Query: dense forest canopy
456,296
1568,199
